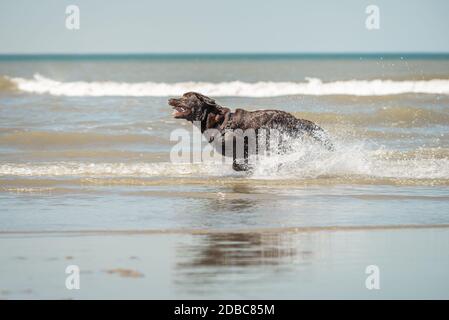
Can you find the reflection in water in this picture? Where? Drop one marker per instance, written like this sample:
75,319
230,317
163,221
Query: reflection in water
240,198
221,258
239,249
232,205
217,257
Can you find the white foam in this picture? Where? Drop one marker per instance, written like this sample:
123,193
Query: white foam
312,86
308,161
164,169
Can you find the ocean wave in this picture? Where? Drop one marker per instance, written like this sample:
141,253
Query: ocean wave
349,162
312,86
118,169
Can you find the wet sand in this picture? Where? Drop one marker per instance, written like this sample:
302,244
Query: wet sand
277,263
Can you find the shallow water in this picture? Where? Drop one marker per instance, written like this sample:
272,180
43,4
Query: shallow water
85,146
67,148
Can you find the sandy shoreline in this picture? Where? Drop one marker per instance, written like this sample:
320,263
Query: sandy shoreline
219,231
413,263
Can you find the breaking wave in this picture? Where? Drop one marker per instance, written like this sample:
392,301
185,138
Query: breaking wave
308,161
312,86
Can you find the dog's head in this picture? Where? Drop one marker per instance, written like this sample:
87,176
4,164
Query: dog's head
192,106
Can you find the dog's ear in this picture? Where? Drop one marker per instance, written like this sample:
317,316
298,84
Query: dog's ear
206,100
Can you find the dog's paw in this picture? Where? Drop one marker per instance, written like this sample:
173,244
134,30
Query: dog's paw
242,167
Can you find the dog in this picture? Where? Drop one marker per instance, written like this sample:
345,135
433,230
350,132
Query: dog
205,112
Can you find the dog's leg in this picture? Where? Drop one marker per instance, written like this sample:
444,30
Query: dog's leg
226,116
315,132
239,164
210,122
242,164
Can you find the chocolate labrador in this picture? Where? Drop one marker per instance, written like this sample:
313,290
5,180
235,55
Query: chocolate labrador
205,112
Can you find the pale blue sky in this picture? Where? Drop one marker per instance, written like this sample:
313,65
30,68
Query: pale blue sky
181,26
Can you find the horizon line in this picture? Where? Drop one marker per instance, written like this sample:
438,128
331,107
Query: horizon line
231,53
262,55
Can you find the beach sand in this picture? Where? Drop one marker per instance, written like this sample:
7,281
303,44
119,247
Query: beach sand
253,264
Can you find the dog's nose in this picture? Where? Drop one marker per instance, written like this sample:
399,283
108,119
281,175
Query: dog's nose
172,101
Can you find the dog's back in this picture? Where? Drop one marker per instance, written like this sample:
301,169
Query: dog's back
283,121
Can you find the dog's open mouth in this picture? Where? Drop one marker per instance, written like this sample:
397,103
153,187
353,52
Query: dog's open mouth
178,111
